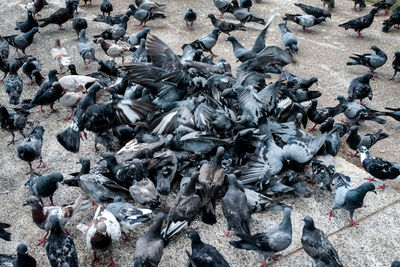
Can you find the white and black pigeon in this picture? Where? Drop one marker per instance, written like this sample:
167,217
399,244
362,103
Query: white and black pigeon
355,140
204,254
347,197
85,48
21,259
245,16
317,245
149,247
103,231
306,21
60,248
289,40
44,185
190,17
371,61
128,216
31,148
268,243
13,84
378,167
360,23
207,42
360,88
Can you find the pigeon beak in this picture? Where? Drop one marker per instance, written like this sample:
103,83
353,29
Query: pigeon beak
374,191
25,204
77,162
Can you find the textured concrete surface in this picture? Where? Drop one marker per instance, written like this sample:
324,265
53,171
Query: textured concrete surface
323,53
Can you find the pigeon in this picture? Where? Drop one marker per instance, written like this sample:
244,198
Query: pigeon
114,19
183,209
223,6
302,150
23,40
21,259
3,233
306,21
396,64
29,66
36,6
140,55
149,247
143,190
360,88
360,23
378,167
317,245
224,26
393,21
360,3
190,16
116,32
273,240
235,208
41,215
13,84
289,40
240,52
31,148
4,48
144,16
79,24
348,198
319,115
44,185
244,16
106,7
47,94
371,61
128,216
103,231
355,140
314,11
323,169
384,4
356,113
124,174
299,82
59,17
28,24
207,42
134,38
395,264
112,50
60,248
85,48
204,254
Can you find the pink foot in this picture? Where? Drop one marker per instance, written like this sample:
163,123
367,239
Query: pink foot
382,187
226,234
371,179
330,213
275,257
42,241
353,223
112,263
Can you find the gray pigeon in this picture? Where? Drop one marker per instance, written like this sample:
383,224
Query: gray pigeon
144,16
360,88
134,38
22,41
355,140
223,7
13,84
21,259
302,150
348,198
273,240
207,42
356,113
235,208
4,48
225,26
85,48
371,61
289,40
116,32
316,244
306,21
190,16
149,247
245,16
31,148
44,185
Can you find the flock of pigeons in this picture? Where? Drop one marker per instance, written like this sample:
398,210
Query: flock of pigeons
228,138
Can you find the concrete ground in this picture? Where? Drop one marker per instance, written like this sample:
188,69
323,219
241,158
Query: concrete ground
323,53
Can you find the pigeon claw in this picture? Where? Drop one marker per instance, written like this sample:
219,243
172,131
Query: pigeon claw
42,241
275,257
95,259
353,223
371,179
313,128
11,142
382,187
226,234
330,214
41,164
112,263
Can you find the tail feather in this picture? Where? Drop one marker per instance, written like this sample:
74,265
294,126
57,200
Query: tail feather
70,138
390,114
378,120
173,228
258,20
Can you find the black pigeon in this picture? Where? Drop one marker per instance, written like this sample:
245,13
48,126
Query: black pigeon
244,16
327,125
28,24
60,247
144,16
204,254
106,7
31,148
378,167
394,113
273,240
46,95
223,7
360,88
21,259
348,198
29,66
315,11
183,209
317,245
79,24
319,115
22,41
13,120
355,140
360,23
289,40
149,247
306,21
3,233
116,32
224,26
13,84
59,17
44,185
207,42
396,64
235,208
384,4
394,20
190,16
123,174
360,3
371,61
246,4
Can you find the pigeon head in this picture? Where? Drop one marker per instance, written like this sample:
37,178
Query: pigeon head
22,248
39,130
375,48
71,68
216,31
354,128
146,30
341,99
314,103
367,187
309,223
56,177
52,75
55,223
14,97
101,227
327,14
32,201
194,236
110,158
35,30
374,11
231,39
84,161
397,54
124,18
368,76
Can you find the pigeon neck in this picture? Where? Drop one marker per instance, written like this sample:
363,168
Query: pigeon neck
38,215
29,35
286,221
85,169
155,228
190,188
